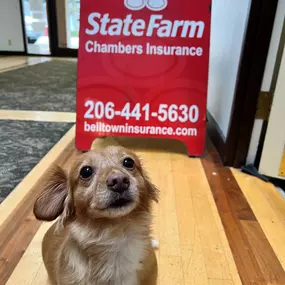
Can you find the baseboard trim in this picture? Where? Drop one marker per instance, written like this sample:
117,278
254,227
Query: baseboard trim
10,53
277,182
215,134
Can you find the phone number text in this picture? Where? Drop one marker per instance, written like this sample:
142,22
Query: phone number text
172,113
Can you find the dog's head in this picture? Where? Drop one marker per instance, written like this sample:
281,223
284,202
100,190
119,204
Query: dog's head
107,183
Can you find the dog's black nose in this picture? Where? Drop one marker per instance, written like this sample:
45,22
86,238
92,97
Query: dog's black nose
118,182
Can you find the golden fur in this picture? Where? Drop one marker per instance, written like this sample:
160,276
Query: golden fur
93,242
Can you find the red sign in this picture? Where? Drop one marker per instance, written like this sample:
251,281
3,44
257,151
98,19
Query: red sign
143,70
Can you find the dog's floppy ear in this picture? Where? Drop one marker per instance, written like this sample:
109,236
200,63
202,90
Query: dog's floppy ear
151,189
50,203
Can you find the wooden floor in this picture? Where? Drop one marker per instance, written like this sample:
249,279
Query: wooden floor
215,225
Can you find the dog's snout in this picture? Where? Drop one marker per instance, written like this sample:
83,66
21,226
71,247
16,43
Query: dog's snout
118,182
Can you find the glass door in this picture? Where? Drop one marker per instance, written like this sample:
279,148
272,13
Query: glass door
36,26
64,27
72,26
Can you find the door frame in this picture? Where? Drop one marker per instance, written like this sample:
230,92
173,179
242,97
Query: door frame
234,147
55,49
279,55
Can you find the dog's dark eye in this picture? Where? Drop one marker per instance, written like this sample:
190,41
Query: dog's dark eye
128,163
86,172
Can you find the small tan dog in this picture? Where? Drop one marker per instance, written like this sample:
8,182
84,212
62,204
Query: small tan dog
102,236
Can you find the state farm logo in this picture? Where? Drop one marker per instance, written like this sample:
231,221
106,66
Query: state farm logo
153,5
156,24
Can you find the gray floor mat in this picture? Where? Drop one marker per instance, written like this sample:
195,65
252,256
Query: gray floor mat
49,86
23,144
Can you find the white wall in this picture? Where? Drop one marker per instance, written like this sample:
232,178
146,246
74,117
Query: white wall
10,26
229,23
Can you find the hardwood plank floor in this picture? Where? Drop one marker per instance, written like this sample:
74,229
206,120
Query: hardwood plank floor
40,116
242,227
29,268
215,226
268,206
8,63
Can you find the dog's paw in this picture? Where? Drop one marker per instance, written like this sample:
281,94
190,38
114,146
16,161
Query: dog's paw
155,244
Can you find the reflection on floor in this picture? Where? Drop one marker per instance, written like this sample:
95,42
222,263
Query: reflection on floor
42,45
215,225
39,47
